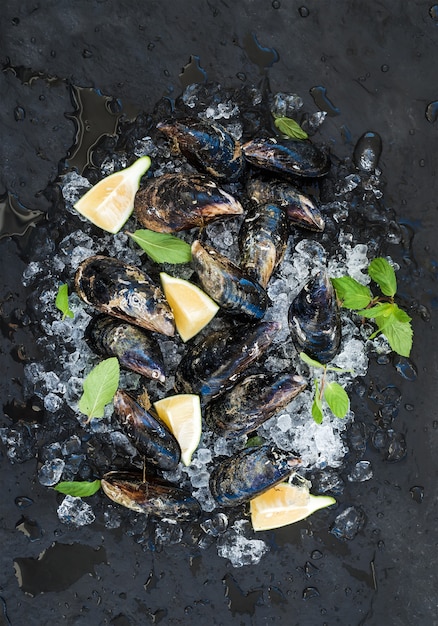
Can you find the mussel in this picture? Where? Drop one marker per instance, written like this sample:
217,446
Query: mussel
151,496
263,238
314,320
216,362
252,401
148,434
288,157
135,348
227,284
241,477
206,145
301,210
124,291
174,202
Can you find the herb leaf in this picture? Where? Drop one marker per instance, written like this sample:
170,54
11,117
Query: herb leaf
337,399
317,413
311,362
290,127
162,247
61,301
351,293
78,489
383,274
99,387
399,335
380,310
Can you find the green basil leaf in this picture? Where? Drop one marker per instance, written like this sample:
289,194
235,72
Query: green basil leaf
78,489
383,274
317,413
255,441
352,294
311,362
162,247
337,399
61,301
399,336
99,388
380,310
290,127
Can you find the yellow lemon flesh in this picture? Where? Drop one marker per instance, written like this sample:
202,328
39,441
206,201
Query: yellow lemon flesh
192,308
285,504
110,202
182,415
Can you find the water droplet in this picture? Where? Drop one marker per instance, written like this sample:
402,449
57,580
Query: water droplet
409,407
310,592
42,97
417,494
433,12
151,46
15,21
405,368
435,424
19,114
384,67
412,131
53,53
316,555
381,544
166,73
432,111
276,4
421,162
87,54
241,76
367,151
304,11
22,502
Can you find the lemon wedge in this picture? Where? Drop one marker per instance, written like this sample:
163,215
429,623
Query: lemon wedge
192,308
285,504
182,415
110,202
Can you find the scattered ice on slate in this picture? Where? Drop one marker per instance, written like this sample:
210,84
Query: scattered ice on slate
75,512
50,472
348,523
235,545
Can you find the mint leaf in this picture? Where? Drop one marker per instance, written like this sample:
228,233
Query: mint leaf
61,301
99,387
290,127
380,310
311,362
162,247
399,336
254,441
337,399
383,274
78,489
317,413
401,315
352,294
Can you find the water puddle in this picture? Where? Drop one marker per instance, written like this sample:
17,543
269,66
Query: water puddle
259,55
15,218
320,98
57,568
192,73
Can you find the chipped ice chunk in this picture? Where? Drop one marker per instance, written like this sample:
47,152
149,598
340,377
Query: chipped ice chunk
76,512
240,550
50,472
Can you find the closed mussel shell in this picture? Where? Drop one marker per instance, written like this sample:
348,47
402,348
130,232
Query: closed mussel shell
288,157
206,145
135,348
216,362
263,238
302,210
241,477
151,496
178,201
314,319
227,284
124,291
148,434
252,401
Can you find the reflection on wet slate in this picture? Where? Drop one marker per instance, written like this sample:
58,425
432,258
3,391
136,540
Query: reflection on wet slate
57,568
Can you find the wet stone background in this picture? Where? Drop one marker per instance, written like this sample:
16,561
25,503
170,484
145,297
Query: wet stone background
377,65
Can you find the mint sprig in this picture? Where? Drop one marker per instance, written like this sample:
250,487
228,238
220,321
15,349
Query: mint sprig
99,388
78,489
332,393
61,301
391,321
289,127
162,247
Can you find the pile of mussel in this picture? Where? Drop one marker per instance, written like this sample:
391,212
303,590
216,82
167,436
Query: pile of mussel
132,309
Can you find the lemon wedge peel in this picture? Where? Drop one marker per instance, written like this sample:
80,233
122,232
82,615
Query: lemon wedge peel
285,504
192,308
110,202
183,416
